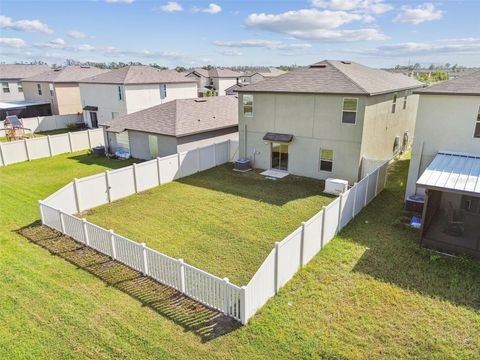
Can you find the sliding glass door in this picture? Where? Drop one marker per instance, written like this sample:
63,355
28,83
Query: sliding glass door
279,156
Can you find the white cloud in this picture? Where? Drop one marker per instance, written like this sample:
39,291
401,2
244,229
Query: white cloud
268,44
366,6
58,42
61,44
170,7
77,34
231,53
12,42
24,25
211,9
312,24
419,14
119,1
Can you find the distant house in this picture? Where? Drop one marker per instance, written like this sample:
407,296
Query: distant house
175,126
10,76
59,87
445,164
254,76
217,79
129,89
332,119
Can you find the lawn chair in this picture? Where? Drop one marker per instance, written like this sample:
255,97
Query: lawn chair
455,221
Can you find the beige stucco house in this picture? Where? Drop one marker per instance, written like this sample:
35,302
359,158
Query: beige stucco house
218,79
333,119
10,76
59,87
129,89
445,164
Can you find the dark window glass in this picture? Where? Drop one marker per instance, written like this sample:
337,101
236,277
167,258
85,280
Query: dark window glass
349,117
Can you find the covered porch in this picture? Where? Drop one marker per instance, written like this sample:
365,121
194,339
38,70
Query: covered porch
451,215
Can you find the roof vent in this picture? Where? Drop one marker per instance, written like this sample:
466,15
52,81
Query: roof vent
85,67
58,69
200,100
346,62
321,66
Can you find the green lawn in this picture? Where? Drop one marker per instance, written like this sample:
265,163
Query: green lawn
221,221
43,133
371,293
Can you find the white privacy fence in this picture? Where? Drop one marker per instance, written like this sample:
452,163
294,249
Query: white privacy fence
240,303
35,148
46,123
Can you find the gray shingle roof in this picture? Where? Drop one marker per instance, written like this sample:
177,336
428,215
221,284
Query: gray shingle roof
138,74
217,73
67,74
335,77
20,71
468,84
181,117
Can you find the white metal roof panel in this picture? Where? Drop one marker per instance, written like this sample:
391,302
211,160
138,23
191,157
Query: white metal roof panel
453,171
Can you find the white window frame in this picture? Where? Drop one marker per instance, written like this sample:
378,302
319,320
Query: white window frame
320,159
163,93
477,122
243,105
51,88
20,87
120,93
7,87
394,102
356,111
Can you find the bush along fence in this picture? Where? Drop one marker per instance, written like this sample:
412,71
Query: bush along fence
46,123
240,303
40,147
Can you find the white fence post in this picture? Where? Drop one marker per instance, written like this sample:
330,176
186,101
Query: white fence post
70,141
198,159
182,275
40,205
112,244
354,188
179,161
229,144
62,221
243,305
85,232
2,159
49,146
277,250
107,183
26,149
89,139
77,195
340,199
214,154
376,182
226,296
158,172
135,177
366,191
302,245
38,123
322,236
144,257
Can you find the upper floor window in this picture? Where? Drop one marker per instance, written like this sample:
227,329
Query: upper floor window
394,102
349,111
163,91
477,125
50,87
5,87
20,87
248,105
326,160
39,89
120,93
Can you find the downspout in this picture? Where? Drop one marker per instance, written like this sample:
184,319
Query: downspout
244,140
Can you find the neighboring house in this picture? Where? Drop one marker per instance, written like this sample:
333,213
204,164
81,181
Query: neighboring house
217,79
333,119
232,90
445,164
129,89
59,87
10,76
176,126
254,76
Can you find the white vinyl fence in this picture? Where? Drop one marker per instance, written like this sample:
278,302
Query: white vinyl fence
240,303
40,147
46,123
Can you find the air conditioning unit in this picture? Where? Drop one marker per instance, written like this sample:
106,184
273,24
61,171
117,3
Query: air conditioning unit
335,186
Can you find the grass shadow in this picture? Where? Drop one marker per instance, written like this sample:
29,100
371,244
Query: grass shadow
393,254
92,159
204,322
253,186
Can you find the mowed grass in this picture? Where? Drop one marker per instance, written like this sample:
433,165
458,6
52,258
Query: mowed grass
371,293
221,221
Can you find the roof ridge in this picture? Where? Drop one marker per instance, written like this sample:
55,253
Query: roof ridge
348,77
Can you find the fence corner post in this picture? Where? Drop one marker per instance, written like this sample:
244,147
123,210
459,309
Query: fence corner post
276,282
107,183
226,296
144,256
198,159
179,161
49,146
182,275
25,141
376,182
85,232
322,237
366,191
2,158
112,244
70,141
214,154
77,195
229,144
135,183
89,139
302,245
340,212
42,217
158,172
62,220
243,305
354,189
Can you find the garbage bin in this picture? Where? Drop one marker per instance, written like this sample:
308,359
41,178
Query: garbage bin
99,150
415,203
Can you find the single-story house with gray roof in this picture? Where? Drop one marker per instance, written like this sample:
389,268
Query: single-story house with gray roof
176,126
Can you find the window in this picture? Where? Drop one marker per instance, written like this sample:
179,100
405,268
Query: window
5,87
349,111
20,87
114,114
394,102
405,101
163,91
50,87
120,94
326,160
39,89
247,105
396,145
477,125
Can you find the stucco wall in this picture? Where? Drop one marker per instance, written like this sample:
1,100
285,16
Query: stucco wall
315,121
444,122
105,97
67,98
14,94
139,145
221,84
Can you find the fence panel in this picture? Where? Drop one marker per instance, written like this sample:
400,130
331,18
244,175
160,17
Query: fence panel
372,186
360,195
207,157
64,199
189,162
96,137
205,288
38,148
121,183
128,252
147,175
348,203
234,150
382,177
92,191
169,168
331,220
60,144
51,217
80,140
289,251
164,269
221,153
14,152
312,237
74,227
99,239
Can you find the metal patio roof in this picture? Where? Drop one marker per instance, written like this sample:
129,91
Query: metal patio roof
452,171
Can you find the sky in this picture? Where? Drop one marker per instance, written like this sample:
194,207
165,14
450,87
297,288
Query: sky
378,33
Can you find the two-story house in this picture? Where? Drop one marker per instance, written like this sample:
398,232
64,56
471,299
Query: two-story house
445,164
332,119
10,76
217,79
254,76
59,87
129,89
